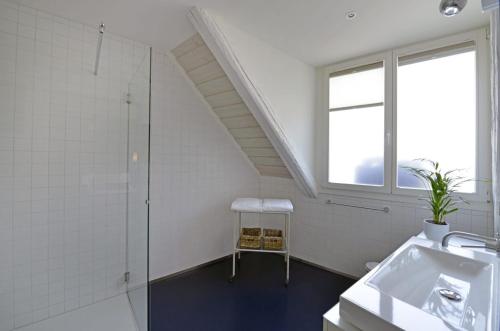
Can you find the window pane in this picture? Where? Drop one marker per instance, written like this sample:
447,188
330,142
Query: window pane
357,88
357,146
437,115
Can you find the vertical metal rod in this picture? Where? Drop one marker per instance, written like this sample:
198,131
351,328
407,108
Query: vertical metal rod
99,44
288,228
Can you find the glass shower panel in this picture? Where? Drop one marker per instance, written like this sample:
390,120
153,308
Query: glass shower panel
138,192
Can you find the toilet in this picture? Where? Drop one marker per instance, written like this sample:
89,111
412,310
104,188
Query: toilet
369,266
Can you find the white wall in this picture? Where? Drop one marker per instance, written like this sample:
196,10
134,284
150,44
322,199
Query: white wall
344,238
288,87
196,171
185,141
62,165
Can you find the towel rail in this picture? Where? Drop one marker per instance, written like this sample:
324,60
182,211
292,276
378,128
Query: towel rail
384,209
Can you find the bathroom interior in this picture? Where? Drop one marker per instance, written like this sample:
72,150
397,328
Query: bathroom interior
150,150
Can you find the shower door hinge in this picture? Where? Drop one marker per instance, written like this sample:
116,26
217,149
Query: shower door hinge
147,202
127,100
126,277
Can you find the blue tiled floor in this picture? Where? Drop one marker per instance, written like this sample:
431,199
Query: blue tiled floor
256,301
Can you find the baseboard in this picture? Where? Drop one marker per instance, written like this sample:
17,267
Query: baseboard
196,267
333,271
226,257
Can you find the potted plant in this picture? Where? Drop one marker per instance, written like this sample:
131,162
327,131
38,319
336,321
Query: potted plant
441,199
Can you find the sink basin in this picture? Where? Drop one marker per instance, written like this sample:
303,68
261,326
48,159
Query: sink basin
425,286
430,271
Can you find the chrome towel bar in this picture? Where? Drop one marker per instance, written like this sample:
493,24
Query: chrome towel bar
384,209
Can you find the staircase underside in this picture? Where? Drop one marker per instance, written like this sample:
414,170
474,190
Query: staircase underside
207,75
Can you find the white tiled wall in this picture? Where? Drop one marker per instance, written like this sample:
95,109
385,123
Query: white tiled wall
344,238
62,164
197,170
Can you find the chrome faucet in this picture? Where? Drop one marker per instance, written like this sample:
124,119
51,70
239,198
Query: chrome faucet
489,242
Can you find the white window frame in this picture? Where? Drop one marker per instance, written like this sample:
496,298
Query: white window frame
389,58
386,59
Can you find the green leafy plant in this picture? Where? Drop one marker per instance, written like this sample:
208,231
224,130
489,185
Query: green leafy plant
441,188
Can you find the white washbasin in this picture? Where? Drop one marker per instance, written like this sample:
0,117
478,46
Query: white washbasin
404,291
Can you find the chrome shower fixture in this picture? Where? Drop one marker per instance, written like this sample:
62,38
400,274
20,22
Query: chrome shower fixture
99,44
451,8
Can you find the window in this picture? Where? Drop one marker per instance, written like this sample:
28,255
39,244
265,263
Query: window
356,139
425,101
436,112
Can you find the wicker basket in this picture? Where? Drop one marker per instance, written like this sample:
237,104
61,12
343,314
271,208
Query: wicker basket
250,238
273,239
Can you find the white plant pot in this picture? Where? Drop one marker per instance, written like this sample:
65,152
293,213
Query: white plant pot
435,231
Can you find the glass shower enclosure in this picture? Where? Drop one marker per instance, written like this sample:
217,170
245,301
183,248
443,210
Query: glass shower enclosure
137,243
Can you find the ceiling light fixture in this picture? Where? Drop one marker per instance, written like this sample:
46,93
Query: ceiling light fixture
451,8
350,15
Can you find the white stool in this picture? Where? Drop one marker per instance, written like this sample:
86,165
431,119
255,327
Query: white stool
262,206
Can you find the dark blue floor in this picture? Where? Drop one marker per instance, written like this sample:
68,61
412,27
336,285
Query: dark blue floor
256,301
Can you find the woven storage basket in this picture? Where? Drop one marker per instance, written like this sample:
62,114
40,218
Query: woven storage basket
250,238
273,239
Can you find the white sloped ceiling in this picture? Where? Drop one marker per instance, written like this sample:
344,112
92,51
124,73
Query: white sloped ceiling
202,68
277,89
